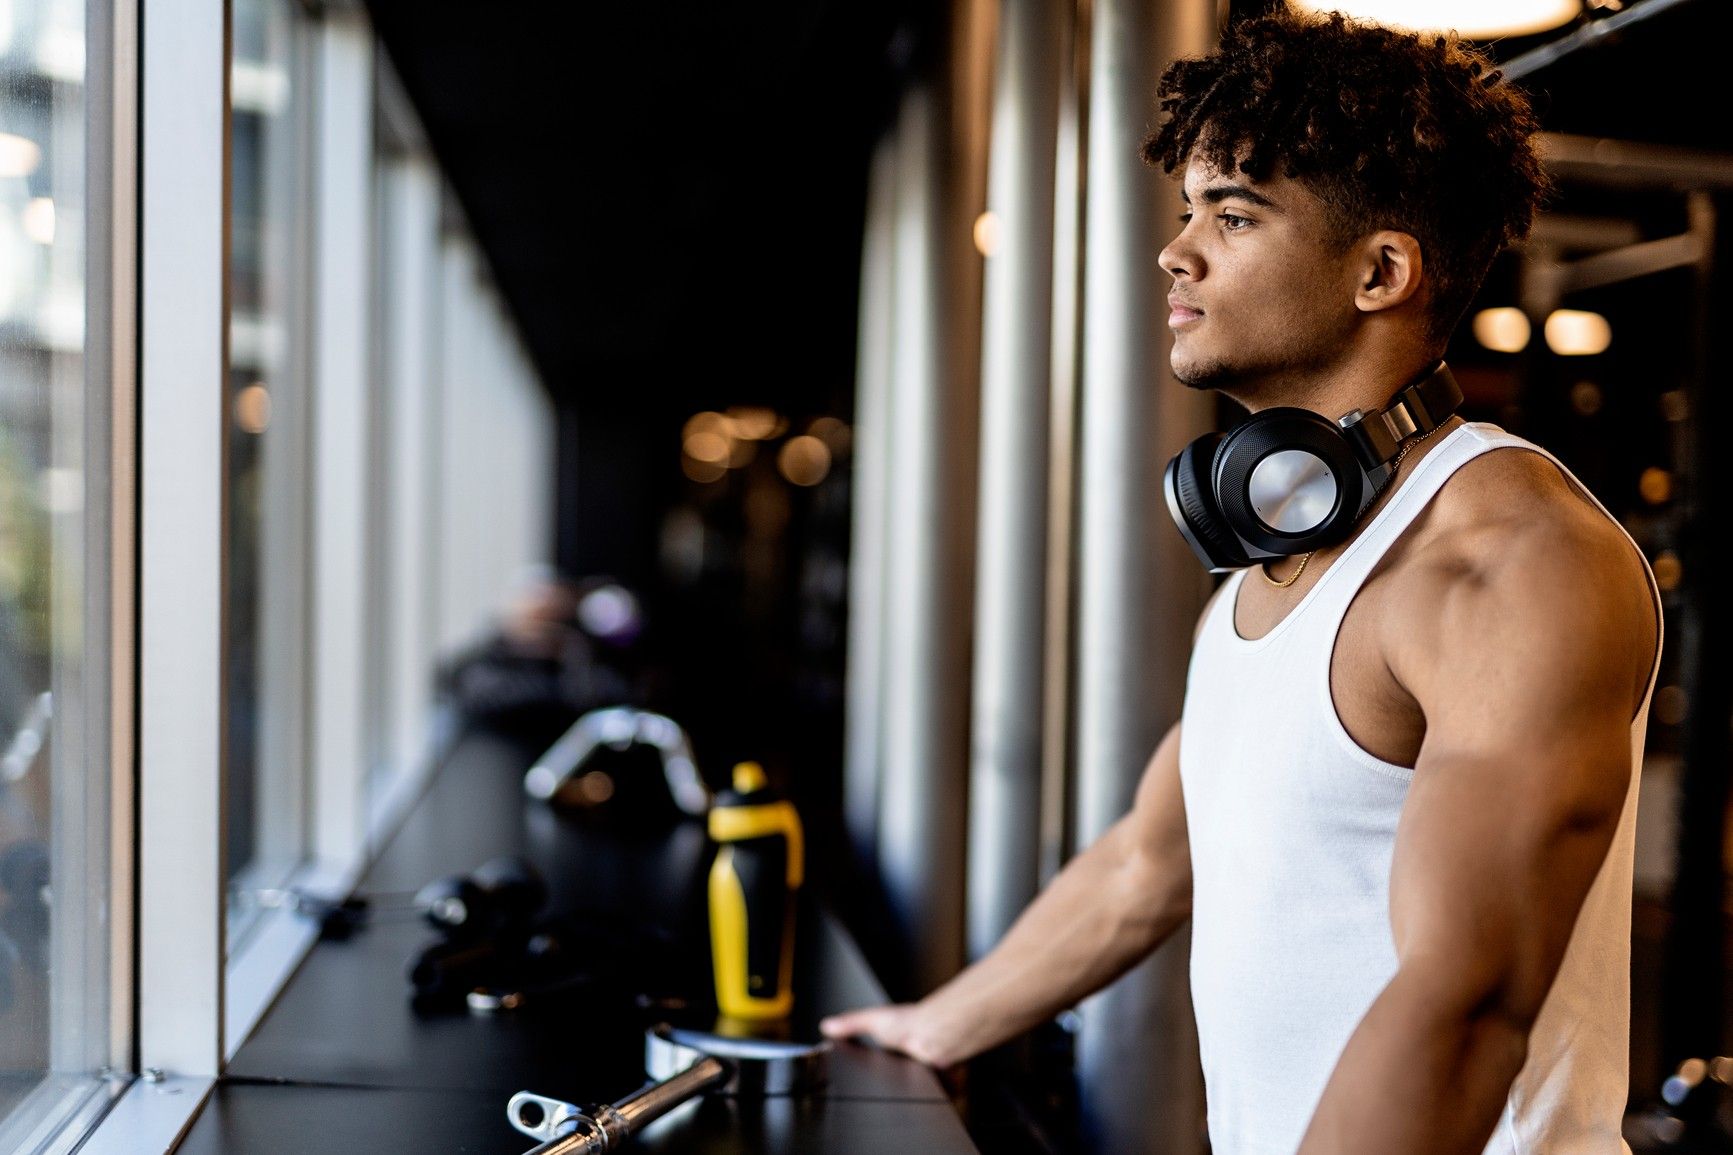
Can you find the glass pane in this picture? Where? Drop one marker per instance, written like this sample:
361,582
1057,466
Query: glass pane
54,773
267,588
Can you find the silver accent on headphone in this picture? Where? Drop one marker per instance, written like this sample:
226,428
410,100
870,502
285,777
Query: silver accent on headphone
1291,491
1401,421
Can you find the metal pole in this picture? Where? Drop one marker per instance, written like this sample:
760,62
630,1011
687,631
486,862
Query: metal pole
930,542
1140,591
916,727
1058,718
1010,588
864,722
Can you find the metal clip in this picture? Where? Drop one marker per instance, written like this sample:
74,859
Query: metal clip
1401,421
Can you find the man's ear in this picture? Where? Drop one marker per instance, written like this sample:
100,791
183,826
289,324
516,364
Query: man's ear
1390,271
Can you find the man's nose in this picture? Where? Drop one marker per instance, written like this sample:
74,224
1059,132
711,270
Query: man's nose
1178,259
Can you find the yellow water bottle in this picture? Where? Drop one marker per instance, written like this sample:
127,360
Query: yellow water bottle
753,885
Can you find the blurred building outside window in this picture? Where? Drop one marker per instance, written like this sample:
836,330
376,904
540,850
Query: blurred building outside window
55,967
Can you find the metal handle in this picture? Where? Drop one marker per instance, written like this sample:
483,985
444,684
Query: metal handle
569,1130
619,727
638,1110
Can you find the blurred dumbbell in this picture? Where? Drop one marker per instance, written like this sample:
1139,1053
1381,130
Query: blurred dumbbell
501,893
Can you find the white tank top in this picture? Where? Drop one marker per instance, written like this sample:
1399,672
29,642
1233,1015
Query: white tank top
1292,827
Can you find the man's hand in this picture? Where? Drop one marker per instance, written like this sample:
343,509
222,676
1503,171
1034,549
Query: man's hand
908,1028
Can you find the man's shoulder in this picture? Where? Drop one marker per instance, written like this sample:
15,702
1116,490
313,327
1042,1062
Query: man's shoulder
1514,547
1512,507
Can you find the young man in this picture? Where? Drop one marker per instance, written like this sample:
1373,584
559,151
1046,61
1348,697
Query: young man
1400,811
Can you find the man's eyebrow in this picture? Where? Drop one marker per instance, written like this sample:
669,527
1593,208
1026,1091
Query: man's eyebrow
1215,194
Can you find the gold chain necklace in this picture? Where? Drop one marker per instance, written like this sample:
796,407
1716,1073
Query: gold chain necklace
1292,578
1395,465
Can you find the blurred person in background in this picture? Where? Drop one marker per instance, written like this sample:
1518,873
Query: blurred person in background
563,646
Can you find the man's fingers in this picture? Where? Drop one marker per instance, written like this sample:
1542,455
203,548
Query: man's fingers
850,1024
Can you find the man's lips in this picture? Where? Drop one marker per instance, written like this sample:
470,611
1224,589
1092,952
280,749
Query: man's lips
1182,313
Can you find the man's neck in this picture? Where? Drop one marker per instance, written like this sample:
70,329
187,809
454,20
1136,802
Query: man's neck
1366,382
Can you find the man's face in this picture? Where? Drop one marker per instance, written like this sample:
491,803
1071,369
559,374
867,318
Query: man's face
1263,296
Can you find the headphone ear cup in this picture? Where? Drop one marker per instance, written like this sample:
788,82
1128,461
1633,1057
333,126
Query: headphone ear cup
1332,474
1199,513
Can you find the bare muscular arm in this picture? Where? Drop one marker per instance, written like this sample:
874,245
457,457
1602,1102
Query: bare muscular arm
1527,690
1111,905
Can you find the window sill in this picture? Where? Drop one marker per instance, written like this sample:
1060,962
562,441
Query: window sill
149,1117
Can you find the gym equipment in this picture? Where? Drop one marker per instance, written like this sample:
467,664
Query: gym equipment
508,950
1287,481
619,728
495,973
686,1064
501,892
753,883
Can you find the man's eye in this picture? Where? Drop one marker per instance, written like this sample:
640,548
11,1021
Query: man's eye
1234,223
1185,217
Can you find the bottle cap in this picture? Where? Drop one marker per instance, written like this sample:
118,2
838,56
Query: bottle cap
749,778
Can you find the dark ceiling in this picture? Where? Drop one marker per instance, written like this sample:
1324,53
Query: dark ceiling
671,194
1663,79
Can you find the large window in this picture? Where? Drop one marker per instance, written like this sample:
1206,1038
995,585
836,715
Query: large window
220,570
57,956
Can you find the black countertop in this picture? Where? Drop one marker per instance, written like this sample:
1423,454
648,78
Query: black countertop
344,1062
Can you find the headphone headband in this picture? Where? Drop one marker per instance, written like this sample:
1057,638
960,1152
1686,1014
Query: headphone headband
1415,411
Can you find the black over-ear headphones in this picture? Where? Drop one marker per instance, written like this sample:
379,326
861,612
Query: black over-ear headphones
1287,480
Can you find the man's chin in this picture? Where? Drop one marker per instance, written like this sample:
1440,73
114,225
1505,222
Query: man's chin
1196,374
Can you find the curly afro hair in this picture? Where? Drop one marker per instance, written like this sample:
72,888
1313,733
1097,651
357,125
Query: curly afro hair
1390,130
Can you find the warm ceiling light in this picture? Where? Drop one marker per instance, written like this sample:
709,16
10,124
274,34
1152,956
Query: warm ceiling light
1473,19
804,460
706,445
1503,330
1575,333
1656,485
753,421
833,432
1668,571
707,422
